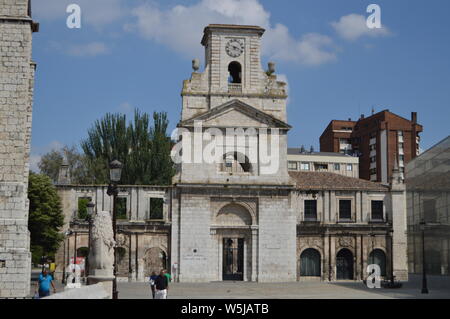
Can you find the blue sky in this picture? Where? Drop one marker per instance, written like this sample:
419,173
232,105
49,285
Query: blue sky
136,53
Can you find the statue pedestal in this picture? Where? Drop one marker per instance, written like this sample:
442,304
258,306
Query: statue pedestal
103,277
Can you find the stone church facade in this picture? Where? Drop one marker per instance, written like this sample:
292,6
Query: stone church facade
239,218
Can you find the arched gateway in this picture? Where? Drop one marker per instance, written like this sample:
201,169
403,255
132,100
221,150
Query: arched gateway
233,223
344,265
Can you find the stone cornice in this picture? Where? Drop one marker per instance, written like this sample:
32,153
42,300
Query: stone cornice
34,25
226,94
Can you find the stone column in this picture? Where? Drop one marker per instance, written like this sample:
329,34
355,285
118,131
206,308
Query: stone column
332,257
325,257
254,255
444,256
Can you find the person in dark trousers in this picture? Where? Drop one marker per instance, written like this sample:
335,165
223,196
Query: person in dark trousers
43,285
152,283
161,286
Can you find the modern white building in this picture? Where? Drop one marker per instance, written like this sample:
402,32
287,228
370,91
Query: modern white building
323,162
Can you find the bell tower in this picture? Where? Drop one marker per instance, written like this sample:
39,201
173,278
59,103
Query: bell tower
233,71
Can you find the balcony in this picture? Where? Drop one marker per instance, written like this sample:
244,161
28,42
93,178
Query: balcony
234,88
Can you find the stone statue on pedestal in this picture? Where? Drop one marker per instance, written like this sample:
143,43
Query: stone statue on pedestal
101,252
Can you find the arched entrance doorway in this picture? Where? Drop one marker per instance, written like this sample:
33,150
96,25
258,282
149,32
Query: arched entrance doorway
310,263
235,239
344,265
155,259
433,261
378,257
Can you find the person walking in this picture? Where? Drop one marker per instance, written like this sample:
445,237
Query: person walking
152,283
161,286
168,276
52,269
43,284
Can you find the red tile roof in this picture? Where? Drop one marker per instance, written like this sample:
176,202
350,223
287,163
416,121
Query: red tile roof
332,181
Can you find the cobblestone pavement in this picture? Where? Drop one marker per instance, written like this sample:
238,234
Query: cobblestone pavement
439,288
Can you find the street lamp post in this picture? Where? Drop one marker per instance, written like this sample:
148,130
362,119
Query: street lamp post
90,214
424,264
67,233
115,171
392,257
75,251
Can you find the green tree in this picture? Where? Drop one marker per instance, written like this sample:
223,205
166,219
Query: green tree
82,207
143,149
45,216
51,162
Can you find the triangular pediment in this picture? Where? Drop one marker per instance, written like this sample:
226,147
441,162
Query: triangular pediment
236,114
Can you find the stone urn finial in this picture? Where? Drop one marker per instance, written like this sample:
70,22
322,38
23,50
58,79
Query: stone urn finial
196,64
271,68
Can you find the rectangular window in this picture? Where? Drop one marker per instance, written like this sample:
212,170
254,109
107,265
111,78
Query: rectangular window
293,166
310,210
82,207
429,210
373,159
400,133
337,167
349,167
321,167
121,208
304,166
156,208
345,209
377,210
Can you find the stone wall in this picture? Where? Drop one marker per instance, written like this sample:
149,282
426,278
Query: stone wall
137,234
16,92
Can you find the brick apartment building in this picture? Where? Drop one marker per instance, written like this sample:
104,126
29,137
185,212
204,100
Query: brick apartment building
378,140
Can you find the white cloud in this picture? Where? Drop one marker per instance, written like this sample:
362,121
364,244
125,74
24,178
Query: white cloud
97,13
353,26
180,28
311,48
87,50
125,107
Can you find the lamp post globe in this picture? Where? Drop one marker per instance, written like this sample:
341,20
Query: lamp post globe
90,209
115,171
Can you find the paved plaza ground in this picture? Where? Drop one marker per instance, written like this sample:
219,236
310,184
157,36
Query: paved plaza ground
439,288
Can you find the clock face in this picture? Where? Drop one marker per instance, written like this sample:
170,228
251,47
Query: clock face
235,48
